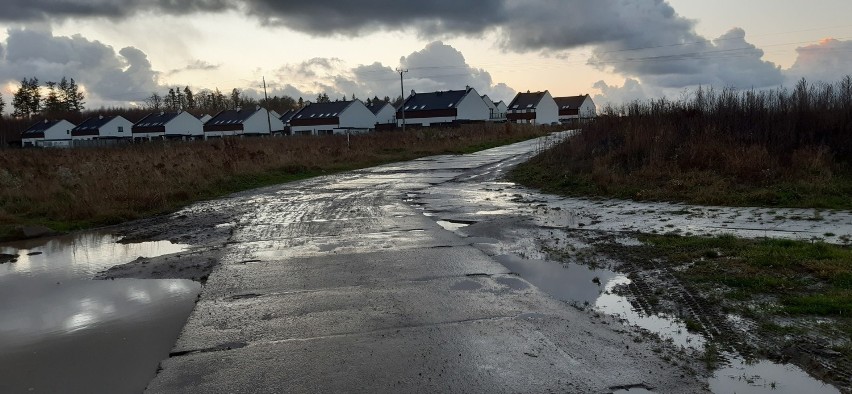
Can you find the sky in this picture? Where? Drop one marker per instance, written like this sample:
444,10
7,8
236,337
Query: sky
615,50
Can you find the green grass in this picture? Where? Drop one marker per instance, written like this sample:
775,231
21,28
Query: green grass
807,278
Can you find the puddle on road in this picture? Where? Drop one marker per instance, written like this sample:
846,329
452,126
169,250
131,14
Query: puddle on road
453,225
765,377
667,327
575,283
88,336
60,331
79,255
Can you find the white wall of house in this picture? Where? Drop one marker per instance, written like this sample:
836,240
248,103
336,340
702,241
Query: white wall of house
358,116
313,130
502,109
492,109
185,124
118,127
205,118
59,132
386,115
546,112
588,109
258,123
472,107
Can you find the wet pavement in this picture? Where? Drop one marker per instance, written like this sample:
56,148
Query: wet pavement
341,283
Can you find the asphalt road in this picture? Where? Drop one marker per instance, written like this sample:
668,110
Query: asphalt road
342,284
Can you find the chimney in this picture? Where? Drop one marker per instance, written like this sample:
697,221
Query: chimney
413,92
467,87
257,108
162,113
239,109
100,117
46,121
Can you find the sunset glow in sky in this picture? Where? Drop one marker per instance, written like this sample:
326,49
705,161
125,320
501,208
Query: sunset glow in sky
615,50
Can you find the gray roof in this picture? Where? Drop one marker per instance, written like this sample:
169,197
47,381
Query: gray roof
322,110
94,123
377,106
435,100
232,116
40,127
157,119
526,100
570,102
287,116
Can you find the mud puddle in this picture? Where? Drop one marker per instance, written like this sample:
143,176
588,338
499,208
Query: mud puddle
586,287
78,256
60,331
88,336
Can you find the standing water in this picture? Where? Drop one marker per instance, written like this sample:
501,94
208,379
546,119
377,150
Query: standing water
60,331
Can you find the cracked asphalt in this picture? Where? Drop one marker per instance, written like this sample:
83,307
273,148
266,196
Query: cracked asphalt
342,284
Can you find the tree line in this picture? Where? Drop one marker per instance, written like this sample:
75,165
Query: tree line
61,97
213,101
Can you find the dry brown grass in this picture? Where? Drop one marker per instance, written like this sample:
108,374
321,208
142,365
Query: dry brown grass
777,148
73,188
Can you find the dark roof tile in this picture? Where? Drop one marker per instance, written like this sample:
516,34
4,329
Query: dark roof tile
322,110
434,100
526,100
570,102
94,123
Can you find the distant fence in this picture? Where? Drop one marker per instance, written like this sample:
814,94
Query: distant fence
99,143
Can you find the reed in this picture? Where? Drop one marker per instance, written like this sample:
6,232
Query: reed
776,147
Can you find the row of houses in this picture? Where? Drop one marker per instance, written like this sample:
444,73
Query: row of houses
419,109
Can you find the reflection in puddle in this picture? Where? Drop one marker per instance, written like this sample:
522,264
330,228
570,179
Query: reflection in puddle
567,282
78,256
62,332
88,336
452,225
765,377
665,326
576,283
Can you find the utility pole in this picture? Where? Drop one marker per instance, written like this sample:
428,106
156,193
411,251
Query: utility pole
402,91
266,97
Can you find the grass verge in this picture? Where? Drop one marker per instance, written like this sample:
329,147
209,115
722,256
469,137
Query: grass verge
795,295
82,188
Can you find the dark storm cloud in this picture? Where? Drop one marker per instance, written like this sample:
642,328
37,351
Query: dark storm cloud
33,10
353,17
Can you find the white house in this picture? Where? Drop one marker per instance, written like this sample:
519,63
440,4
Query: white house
384,111
492,109
501,110
169,125
103,127
428,109
48,134
243,121
575,108
338,117
535,108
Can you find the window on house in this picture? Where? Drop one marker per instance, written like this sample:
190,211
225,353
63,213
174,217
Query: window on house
120,129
